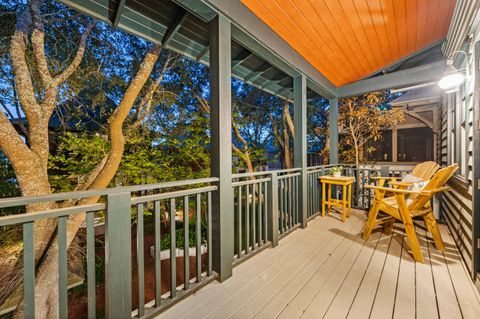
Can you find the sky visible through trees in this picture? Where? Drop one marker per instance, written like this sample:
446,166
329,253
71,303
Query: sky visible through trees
174,135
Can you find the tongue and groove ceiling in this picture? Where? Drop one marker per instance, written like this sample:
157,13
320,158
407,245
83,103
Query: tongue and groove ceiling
347,40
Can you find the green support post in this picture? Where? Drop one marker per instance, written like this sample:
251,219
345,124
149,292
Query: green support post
118,257
476,167
221,146
272,212
300,143
384,170
333,125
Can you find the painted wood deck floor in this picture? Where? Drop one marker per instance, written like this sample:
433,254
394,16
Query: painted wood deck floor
328,271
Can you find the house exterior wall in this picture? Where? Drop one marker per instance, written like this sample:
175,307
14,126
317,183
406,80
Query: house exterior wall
456,146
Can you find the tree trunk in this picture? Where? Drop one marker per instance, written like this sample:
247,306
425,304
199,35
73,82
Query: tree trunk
357,154
288,131
46,299
286,153
30,162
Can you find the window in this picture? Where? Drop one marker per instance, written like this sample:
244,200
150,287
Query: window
383,148
459,114
415,145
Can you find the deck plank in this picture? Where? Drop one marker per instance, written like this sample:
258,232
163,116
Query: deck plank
467,295
425,290
214,294
320,304
289,291
345,296
446,298
232,287
328,270
303,298
365,296
385,296
405,303
249,299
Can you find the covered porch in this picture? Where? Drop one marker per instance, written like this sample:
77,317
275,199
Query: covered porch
260,246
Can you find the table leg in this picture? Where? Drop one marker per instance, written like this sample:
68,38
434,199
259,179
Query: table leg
323,199
349,200
329,205
344,203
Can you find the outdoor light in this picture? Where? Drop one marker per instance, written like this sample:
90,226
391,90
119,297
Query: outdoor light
452,78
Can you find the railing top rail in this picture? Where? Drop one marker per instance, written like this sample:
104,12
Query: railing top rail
278,171
322,169
20,201
185,192
289,175
288,170
251,181
252,174
51,213
327,166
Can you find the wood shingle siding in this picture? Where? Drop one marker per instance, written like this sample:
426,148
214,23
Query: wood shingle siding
457,204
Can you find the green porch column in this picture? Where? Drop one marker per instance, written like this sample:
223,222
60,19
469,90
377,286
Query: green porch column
118,256
300,142
221,146
333,125
476,164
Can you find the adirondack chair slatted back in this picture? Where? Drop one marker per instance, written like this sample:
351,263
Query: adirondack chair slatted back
425,170
438,180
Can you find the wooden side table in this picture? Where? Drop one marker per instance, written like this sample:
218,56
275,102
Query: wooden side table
345,202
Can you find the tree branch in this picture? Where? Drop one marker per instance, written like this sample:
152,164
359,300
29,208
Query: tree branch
238,135
11,142
288,119
118,117
145,105
78,56
275,132
38,43
24,85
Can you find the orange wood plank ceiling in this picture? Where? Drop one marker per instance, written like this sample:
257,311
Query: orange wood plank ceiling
347,40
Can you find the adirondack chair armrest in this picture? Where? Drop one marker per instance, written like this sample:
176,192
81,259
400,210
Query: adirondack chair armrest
383,177
393,190
401,184
437,190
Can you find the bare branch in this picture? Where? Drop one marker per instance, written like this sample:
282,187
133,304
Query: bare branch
38,43
275,132
24,85
203,102
239,136
78,56
7,110
145,105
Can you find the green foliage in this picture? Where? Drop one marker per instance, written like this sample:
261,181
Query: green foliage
180,239
361,119
76,155
335,169
8,182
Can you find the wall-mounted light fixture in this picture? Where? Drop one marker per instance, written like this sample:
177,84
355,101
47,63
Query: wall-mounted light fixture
453,78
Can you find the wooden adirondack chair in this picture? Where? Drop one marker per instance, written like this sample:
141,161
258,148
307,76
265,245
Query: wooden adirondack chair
404,207
424,170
